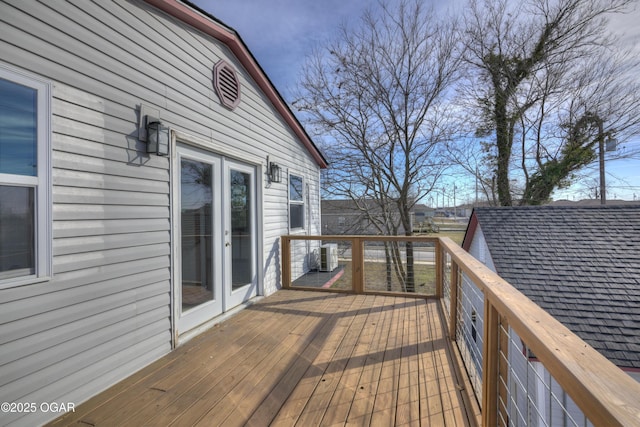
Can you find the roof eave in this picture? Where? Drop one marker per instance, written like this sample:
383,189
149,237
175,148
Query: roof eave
471,231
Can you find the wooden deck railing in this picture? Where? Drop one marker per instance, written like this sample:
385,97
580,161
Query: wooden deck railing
604,393
356,248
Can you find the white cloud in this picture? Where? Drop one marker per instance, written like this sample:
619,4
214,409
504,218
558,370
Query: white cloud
627,27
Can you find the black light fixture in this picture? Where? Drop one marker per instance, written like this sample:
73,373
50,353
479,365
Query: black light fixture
157,136
274,171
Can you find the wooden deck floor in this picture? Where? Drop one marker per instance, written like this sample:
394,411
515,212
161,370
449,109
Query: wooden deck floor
297,358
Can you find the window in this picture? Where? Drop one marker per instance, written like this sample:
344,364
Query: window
24,178
296,202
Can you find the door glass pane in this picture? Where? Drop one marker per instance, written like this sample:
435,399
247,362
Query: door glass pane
18,129
241,229
197,239
17,231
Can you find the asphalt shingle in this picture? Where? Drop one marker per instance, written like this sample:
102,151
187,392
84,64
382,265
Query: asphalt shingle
581,264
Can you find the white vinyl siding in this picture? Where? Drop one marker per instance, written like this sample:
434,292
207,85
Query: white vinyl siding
480,250
106,311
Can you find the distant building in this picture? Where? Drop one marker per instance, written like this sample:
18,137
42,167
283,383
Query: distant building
594,202
348,217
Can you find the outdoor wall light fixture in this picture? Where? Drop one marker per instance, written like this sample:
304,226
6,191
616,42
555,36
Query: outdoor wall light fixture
157,136
274,171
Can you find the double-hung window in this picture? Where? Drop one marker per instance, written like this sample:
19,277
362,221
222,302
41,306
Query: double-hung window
296,202
25,236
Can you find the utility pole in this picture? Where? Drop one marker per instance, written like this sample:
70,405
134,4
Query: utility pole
595,118
476,203
455,210
603,196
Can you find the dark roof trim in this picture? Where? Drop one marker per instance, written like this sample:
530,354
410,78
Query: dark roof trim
203,21
471,231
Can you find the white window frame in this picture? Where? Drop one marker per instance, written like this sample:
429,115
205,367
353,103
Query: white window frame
40,183
296,202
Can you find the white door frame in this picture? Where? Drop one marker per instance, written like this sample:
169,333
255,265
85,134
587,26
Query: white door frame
184,143
236,297
200,314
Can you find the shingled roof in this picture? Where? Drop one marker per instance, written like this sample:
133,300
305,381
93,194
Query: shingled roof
581,264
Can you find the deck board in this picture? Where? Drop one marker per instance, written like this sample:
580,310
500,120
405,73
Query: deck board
298,358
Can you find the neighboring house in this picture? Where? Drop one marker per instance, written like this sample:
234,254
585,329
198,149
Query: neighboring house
594,202
111,256
580,264
348,217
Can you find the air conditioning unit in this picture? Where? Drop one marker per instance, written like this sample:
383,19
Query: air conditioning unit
328,257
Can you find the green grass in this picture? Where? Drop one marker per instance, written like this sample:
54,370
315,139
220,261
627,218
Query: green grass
448,228
376,273
456,236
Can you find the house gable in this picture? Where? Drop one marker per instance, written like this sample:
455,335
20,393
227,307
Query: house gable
197,18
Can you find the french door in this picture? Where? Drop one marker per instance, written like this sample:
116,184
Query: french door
215,228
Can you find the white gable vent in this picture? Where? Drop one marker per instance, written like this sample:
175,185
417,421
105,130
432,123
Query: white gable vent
226,84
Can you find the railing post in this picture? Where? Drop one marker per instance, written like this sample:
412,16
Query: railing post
453,303
357,265
490,365
439,260
285,257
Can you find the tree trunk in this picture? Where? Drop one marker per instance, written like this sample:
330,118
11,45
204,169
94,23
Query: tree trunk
411,277
504,143
410,280
388,264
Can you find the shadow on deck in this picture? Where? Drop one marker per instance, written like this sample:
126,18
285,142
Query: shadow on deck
299,358
319,279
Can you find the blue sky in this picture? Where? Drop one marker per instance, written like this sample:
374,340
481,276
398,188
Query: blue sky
281,33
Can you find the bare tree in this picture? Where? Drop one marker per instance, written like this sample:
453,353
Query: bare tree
550,83
477,159
376,95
